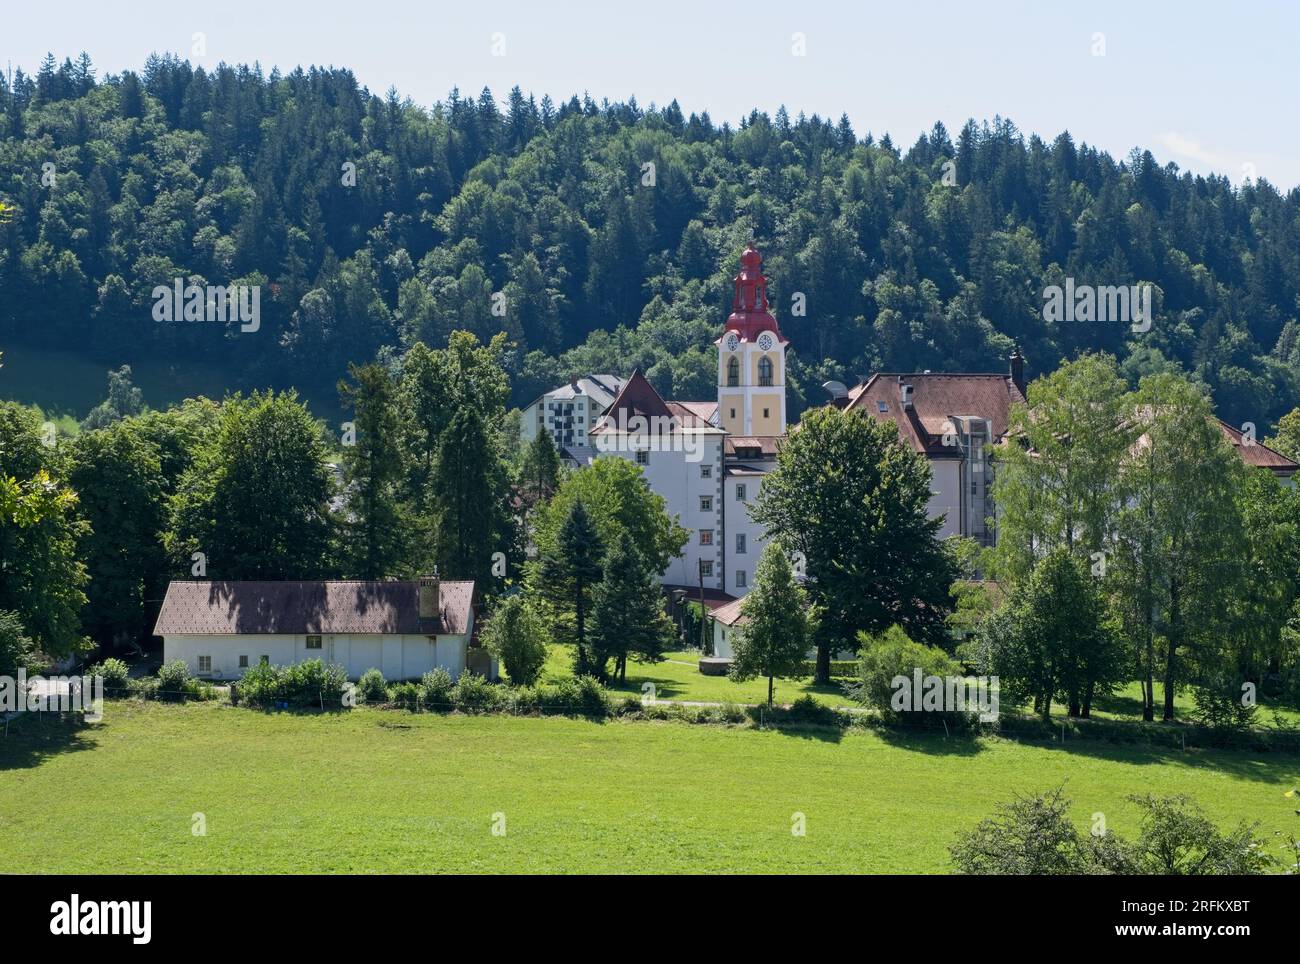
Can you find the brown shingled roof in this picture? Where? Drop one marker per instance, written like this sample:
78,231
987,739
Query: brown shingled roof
1257,453
260,608
937,397
731,613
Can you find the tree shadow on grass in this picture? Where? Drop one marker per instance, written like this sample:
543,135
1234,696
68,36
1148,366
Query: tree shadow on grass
1244,764
931,741
34,738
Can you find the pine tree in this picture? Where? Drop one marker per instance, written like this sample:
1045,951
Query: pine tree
566,577
468,491
628,616
372,471
776,632
540,474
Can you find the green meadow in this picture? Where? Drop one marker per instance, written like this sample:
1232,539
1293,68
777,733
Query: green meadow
385,791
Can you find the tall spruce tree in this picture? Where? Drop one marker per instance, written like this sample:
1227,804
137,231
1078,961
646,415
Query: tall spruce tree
373,469
776,631
469,491
627,614
565,577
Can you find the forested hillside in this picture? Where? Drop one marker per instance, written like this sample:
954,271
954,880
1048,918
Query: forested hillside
115,184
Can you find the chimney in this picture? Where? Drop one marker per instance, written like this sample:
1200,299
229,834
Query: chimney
904,394
1018,369
573,382
430,596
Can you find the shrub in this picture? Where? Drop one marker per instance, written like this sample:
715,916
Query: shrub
405,696
372,687
117,680
145,688
1219,706
517,636
473,694
435,690
17,651
172,680
806,709
309,683
1034,835
583,695
889,656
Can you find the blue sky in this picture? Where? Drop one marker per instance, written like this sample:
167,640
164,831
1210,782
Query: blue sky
1209,87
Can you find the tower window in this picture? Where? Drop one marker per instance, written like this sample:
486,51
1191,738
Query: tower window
733,372
764,371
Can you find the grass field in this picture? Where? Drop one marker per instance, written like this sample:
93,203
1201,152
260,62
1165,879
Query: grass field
374,790
678,677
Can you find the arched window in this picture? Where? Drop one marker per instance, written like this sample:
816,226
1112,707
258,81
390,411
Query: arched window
733,372
765,371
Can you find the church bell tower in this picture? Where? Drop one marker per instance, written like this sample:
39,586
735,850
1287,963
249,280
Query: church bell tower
751,358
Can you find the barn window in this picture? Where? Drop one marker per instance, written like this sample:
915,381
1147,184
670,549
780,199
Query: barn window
243,661
205,664
313,642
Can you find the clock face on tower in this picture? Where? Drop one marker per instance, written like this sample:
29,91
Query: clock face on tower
765,341
732,342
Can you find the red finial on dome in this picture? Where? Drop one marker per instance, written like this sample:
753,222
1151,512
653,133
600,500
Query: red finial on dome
749,309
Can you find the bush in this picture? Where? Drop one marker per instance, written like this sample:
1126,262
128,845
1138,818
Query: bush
806,709
173,680
405,696
889,656
583,695
435,690
1034,835
145,688
372,688
473,694
117,680
309,683
1219,706
17,651
517,636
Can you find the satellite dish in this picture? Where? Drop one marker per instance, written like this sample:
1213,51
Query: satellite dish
834,389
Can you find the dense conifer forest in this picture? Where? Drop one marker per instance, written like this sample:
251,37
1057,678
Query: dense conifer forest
611,230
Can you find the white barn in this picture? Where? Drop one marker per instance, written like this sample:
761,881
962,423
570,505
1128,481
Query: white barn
403,628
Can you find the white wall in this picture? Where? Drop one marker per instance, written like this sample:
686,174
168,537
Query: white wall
738,521
397,657
676,476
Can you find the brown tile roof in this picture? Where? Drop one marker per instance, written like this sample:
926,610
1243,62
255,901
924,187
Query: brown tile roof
636,397
730,614
1257,453
694,413
259,608
767,445
713,598
936,397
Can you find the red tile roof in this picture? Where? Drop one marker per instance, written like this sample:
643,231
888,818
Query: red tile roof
295,608
936,398
1257,453
730,614
767,445
636,397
